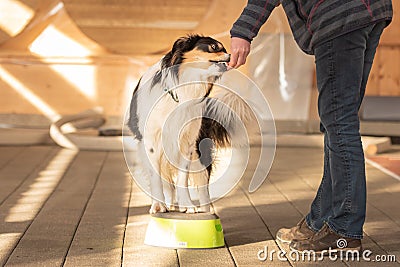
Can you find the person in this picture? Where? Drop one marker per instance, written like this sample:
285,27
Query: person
343,36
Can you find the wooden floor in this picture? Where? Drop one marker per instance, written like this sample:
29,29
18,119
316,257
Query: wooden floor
63,208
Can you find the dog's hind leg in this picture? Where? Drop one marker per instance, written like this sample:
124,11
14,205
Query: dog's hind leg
182,190
183,196
201,179
202,167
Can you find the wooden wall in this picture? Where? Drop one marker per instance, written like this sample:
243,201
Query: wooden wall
385,74
111,76
74,55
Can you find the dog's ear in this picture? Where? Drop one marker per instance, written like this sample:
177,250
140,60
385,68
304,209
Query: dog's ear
181,46
186,43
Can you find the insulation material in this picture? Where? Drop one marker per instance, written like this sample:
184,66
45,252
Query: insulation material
283,72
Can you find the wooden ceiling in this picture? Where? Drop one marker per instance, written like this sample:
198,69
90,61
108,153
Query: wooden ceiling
130,27
136,26
14,16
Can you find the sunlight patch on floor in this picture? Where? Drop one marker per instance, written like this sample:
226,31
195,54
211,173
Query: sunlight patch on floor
31,201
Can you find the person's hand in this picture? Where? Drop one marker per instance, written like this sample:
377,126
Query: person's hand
240,49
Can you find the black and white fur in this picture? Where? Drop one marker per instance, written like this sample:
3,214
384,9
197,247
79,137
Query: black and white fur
170,150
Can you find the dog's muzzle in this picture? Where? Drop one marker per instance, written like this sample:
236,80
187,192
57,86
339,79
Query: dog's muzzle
223,63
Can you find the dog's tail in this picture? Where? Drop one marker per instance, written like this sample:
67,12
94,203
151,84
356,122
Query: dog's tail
226,117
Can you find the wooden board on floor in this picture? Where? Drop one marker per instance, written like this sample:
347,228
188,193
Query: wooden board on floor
19,208
7,153
135,252
82,209
19,167
48,238
100,234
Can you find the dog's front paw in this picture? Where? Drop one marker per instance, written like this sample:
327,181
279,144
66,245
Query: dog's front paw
171,207
158,207
189,209
205,208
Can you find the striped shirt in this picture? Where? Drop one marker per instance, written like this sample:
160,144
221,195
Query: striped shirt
313,21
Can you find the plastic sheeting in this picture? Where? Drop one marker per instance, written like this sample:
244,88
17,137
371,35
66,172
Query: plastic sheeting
284,74
282,71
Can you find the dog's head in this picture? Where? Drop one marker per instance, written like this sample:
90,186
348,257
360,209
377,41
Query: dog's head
192,58
202,52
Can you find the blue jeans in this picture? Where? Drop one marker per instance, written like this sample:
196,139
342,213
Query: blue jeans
343,65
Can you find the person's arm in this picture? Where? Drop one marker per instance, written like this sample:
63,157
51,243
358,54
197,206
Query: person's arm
254,15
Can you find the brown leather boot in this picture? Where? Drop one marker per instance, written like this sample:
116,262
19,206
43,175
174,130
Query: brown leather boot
326,239
299,232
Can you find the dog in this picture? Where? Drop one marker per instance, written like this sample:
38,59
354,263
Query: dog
180,116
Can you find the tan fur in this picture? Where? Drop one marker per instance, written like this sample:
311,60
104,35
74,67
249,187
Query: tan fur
199,56
169,150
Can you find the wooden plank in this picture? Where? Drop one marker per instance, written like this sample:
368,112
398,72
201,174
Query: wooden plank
99,237
277,22
135,253
384,232
369,244
20,168
270,202
138,3
389,85
68,98
246,233
383,216
97,15
205,257
7,153
155,39
48,238
244,230
380,128
119,25
21,207
379,182
15,17
374,78
391,34
299,194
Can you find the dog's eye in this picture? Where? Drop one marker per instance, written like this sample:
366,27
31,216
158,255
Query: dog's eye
214,47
